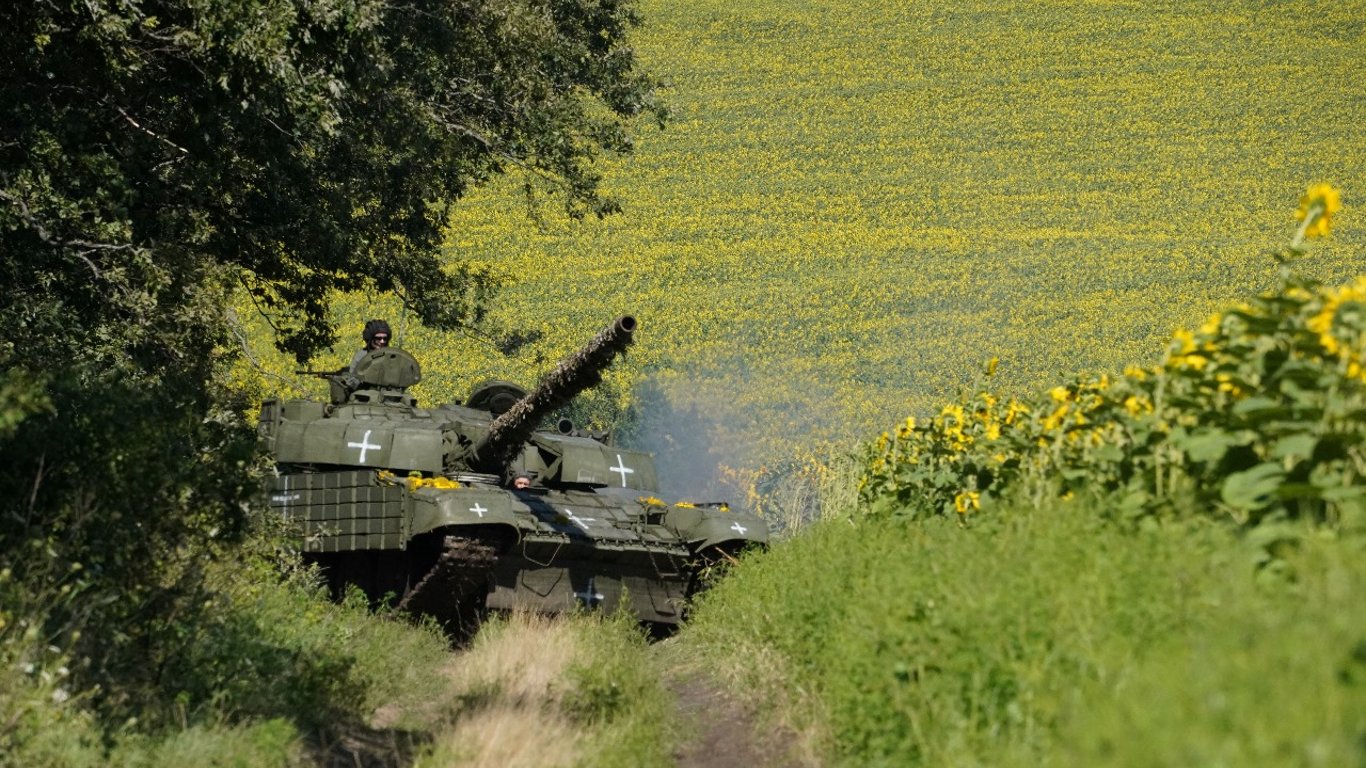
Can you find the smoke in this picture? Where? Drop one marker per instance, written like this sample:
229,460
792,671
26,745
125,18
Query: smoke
712,443
689,441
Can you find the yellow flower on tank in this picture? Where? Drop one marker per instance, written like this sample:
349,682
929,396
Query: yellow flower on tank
906,428
1225,382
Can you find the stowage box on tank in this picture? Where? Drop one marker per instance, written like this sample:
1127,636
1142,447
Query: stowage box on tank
416,504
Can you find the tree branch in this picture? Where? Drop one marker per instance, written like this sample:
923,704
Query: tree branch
47,237
156,136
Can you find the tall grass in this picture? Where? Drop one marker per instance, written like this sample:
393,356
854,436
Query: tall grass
269,672
1045,636
280,675
538,692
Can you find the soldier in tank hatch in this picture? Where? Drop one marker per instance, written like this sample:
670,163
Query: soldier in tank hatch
376,336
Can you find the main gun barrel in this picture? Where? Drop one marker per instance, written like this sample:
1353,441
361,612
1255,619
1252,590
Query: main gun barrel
573,375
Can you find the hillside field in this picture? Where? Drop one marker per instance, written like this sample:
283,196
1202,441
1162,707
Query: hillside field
858,203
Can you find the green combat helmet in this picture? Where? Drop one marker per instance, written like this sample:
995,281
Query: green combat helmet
418,505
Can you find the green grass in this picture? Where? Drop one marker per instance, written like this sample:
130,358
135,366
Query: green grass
276,674
267,668
1050,638
535,691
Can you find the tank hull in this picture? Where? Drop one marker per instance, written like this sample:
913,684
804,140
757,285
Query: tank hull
451,552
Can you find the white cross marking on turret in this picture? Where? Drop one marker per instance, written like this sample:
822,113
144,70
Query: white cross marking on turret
740,529
590,595
579,521
364,445
478,509
622,469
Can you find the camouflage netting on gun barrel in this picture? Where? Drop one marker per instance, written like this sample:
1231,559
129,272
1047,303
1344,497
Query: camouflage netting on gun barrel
584,369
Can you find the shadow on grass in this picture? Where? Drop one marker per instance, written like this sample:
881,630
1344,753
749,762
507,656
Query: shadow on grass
355,745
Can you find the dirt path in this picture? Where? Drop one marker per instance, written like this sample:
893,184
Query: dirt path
724,733
716,729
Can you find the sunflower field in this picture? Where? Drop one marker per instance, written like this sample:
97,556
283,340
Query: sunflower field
857,203
1260,413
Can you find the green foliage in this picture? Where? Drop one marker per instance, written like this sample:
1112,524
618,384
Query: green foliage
160,156
1257,415
309,147
264,663
269,742
1047,636
618,693
21,396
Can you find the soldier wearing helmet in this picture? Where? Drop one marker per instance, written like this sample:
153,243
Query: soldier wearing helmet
376,336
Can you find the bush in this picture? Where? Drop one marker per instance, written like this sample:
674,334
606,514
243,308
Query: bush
262,664
1257,415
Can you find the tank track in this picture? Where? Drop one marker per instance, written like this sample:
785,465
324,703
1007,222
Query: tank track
453,591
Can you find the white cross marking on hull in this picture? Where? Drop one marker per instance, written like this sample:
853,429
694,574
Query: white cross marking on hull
364,445
579,521
621,469
478,509
590,596
740,529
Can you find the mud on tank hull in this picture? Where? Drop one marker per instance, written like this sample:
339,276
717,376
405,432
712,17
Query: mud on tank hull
452,549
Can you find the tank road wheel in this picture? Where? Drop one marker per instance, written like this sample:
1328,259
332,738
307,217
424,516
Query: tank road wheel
452,587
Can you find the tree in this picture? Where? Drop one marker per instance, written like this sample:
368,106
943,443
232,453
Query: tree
156,155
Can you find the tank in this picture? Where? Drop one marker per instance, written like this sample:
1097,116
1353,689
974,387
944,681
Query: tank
417,506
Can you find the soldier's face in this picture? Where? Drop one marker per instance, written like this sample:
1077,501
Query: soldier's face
521,482
381,339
